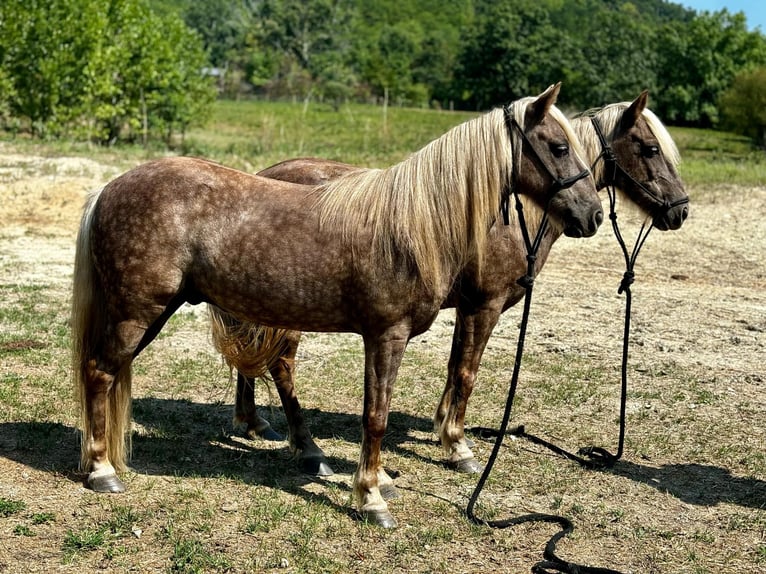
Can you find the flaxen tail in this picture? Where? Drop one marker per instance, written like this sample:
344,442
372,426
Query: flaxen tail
88,323
247,347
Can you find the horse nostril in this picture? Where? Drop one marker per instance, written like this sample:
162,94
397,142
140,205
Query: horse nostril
598,218
684,213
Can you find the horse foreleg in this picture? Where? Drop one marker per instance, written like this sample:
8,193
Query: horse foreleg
382,359
472,331
310,456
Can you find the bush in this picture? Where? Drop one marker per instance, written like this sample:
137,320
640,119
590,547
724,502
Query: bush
743,105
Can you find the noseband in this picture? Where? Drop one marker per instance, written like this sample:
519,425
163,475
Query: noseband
612,167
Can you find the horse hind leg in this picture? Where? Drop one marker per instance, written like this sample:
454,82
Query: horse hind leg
100,442
311,459
252,349
105,399
245,412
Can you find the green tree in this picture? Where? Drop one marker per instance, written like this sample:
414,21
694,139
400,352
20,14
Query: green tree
310,43
227,30
511,51
698,61
100,70
614,58
743,105
46,46
387,60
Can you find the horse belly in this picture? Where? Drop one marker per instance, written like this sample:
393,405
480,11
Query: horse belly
290,281
300,303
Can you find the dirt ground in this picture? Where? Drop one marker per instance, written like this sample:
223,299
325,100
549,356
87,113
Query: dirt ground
699,308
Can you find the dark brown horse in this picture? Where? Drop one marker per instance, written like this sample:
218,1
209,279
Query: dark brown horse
647,177
373,252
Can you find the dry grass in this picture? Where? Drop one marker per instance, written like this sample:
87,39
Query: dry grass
688,497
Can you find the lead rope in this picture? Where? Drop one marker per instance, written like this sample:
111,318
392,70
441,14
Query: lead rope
552,563
598,457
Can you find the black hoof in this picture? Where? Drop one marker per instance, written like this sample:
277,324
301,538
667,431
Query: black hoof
389,492
316,467
108,483
467,466
270,434
382,518
265,433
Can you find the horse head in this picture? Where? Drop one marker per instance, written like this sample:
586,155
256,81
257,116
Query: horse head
644,167
552,162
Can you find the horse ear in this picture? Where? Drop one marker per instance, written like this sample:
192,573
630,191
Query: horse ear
633,112
540,107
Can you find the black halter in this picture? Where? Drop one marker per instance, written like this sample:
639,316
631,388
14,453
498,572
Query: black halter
612,167
559,183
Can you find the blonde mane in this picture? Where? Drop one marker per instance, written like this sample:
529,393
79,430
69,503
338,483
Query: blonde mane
437,206
609,116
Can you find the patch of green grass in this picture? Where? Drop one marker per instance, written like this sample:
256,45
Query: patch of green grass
124,519
191,556
23,530
253,135
85,540
267,511
9,507
10,389
711,157
43,518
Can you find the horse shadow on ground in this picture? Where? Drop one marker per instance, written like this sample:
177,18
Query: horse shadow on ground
693,483
183,438
698,484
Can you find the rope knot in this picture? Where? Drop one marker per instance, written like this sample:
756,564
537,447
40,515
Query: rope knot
627,281
526,281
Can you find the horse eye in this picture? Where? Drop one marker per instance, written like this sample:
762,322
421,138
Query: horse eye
560,150
650,151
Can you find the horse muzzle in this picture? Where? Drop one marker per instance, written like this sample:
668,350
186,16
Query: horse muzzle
671,218
583,226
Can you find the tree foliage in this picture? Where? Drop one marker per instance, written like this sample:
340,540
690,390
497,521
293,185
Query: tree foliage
132,69
743,105
699,61
100,70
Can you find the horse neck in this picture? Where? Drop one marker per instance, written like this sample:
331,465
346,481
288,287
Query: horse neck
435,208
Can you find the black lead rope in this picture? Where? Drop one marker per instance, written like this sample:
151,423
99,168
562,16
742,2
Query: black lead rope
552,563
597,457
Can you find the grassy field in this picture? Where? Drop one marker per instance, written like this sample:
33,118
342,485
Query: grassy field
252,135
688,497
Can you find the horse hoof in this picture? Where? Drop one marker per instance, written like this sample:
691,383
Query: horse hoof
382,518
389,492
467,466
265,433
270,434
316,467
107,483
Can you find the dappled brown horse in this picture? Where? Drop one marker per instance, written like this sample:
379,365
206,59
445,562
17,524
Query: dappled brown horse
646,175
373,252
